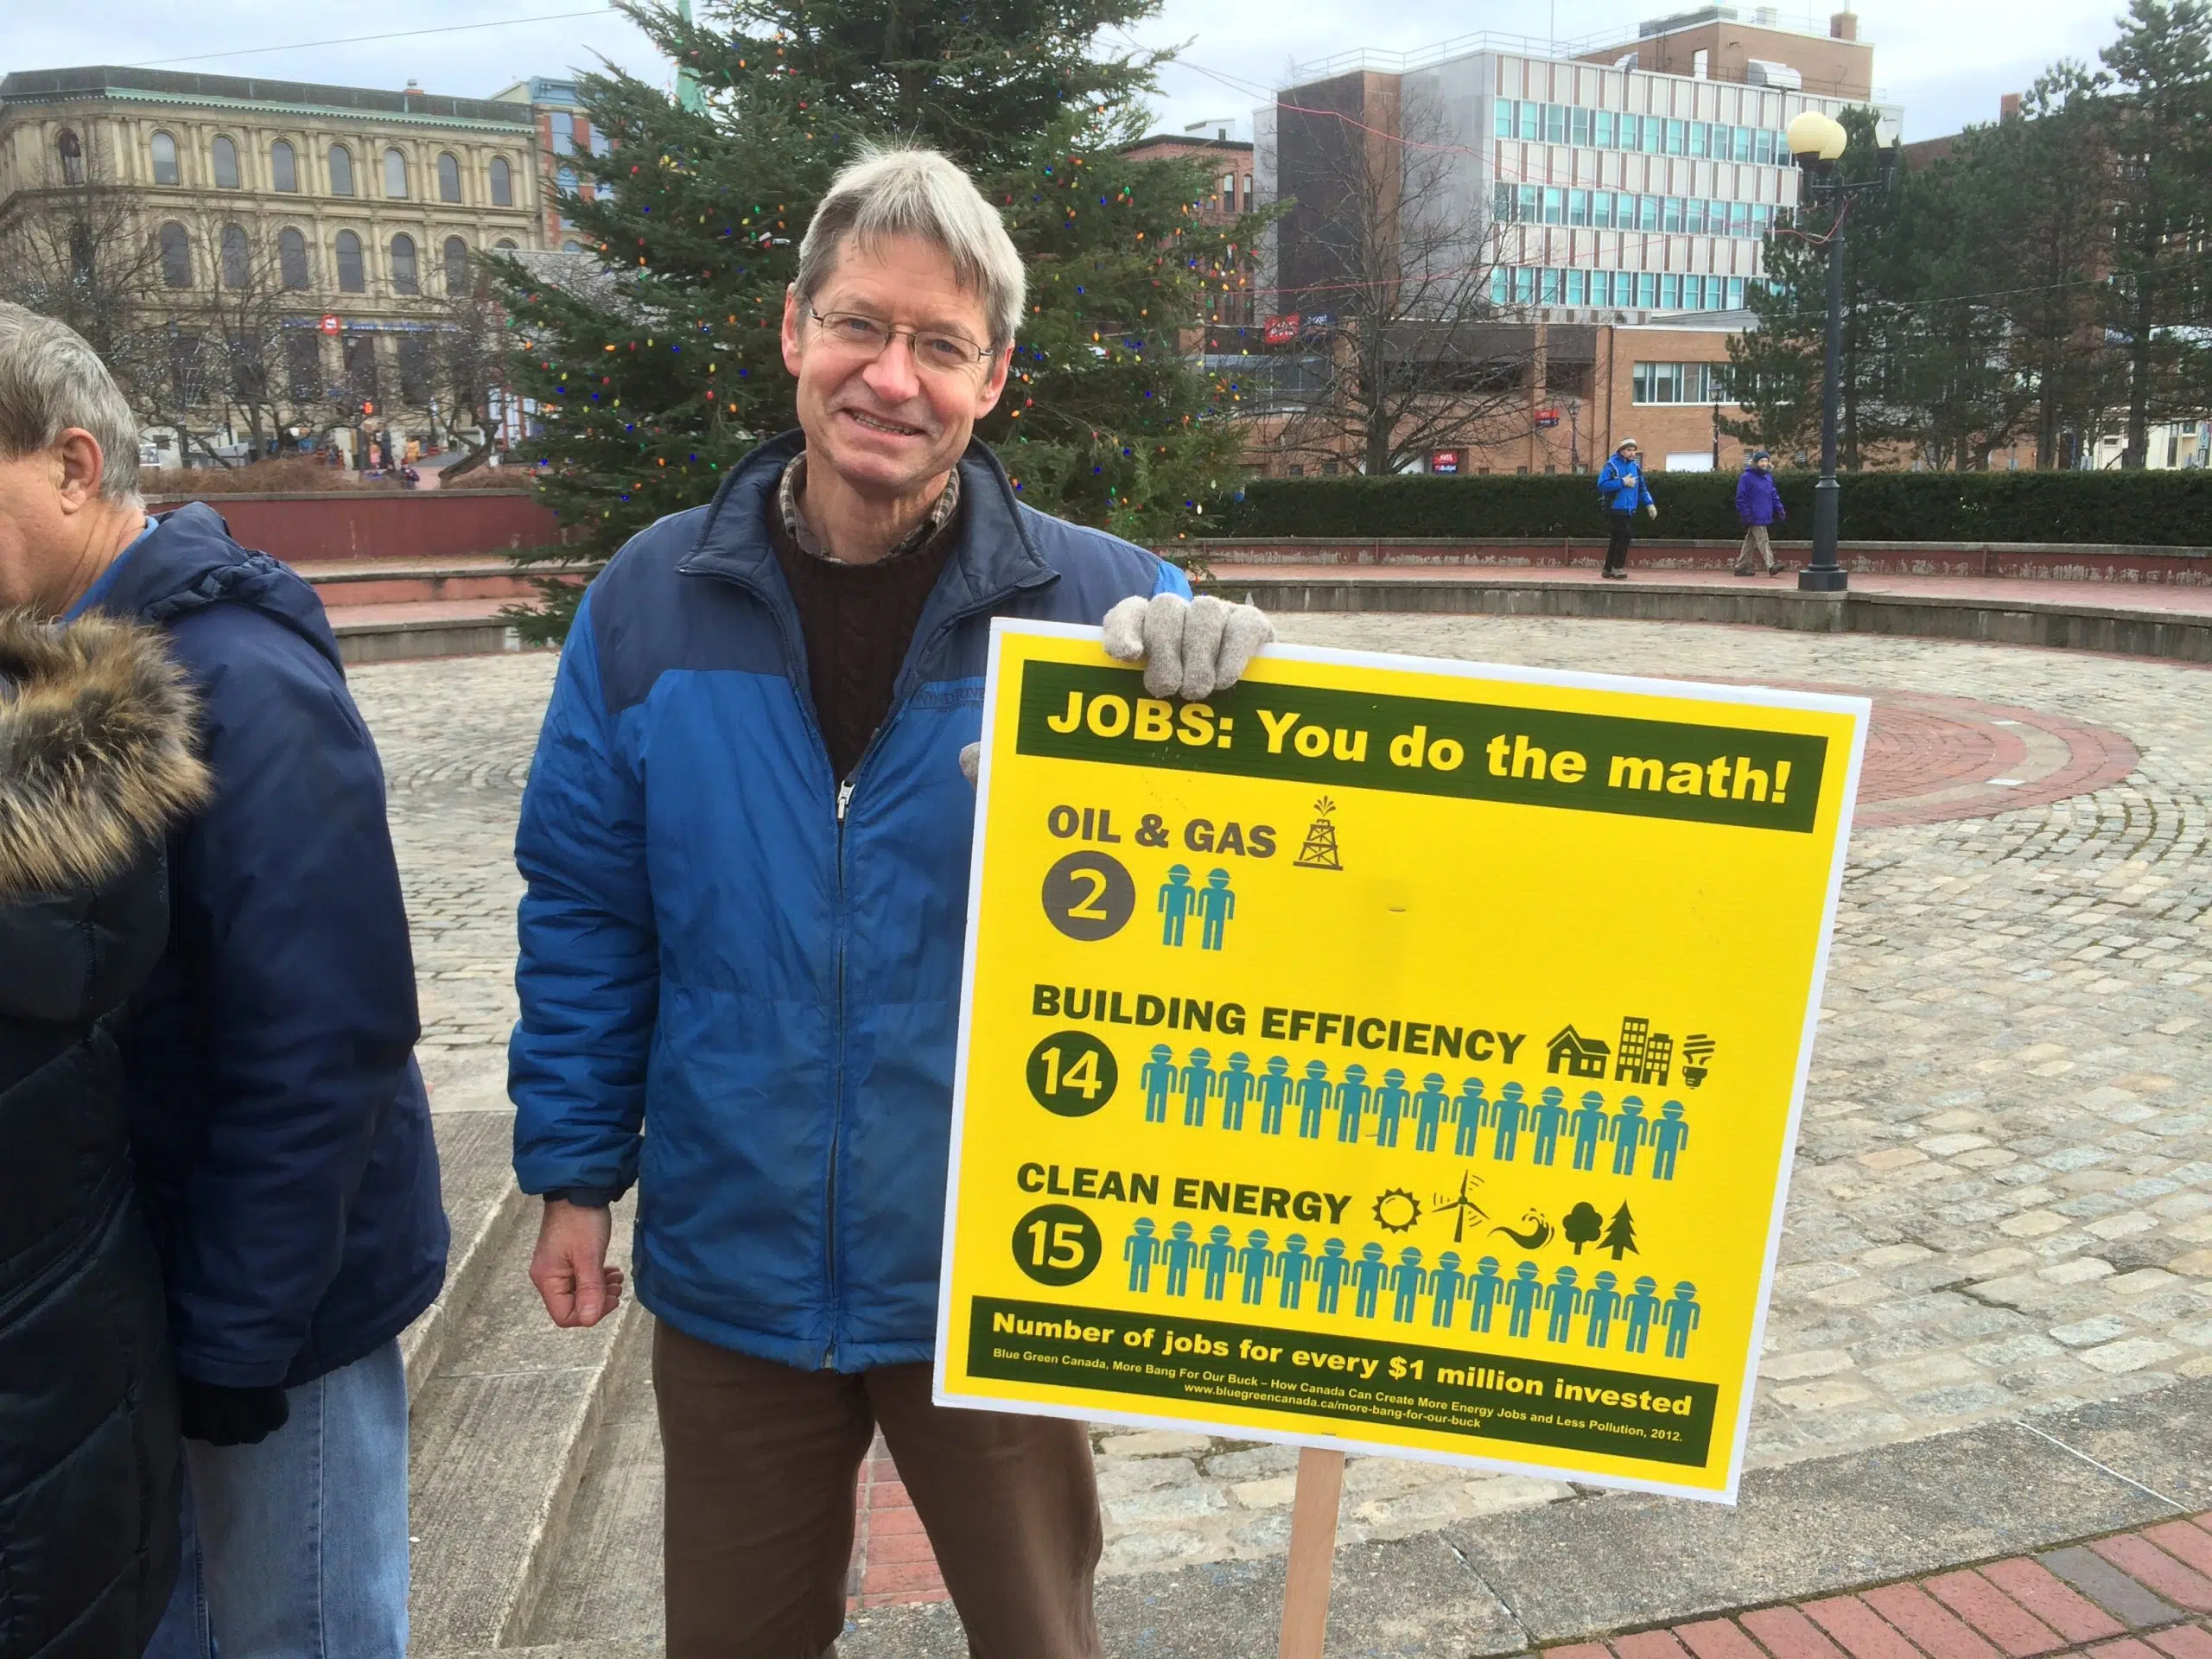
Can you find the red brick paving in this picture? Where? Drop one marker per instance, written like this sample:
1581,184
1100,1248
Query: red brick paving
2011,1609
892,1562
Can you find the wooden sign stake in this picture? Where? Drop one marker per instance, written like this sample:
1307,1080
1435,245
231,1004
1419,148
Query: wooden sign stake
1313,1551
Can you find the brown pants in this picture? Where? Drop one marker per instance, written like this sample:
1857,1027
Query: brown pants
1756,545
761,1462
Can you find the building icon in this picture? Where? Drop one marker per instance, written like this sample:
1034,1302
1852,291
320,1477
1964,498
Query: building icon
1577,1055
1644,1055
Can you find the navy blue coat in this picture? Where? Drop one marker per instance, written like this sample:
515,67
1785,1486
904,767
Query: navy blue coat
281,1130
740,982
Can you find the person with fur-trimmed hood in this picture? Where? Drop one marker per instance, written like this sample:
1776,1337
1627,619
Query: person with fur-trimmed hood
96,765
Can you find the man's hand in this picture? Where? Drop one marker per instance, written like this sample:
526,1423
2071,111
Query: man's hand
1651,507
569,1264
1191,648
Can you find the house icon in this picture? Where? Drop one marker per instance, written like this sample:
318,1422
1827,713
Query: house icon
1579,1056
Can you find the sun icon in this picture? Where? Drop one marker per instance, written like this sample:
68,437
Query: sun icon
1397,1210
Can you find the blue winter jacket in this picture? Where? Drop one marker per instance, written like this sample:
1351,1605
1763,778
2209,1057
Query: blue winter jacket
281,1133
1758,499
739,984
1621,487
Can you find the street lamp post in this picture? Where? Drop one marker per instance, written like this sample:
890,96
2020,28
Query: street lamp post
1818,141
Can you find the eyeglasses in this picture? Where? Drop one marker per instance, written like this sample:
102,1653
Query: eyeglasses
938,351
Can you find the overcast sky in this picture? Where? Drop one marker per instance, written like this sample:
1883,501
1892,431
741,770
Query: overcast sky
1947,64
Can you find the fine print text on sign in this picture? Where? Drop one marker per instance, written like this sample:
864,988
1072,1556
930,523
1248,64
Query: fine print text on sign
1386,1054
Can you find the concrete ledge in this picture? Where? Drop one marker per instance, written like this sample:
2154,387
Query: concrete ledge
408,641
2064,623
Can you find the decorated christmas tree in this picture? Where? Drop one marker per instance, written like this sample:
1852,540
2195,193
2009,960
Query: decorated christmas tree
657,364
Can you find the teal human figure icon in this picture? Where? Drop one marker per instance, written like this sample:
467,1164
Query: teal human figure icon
1314,1094
1367,1276
1631,1130
1668,1136
1178,898
1294,1267
1546,1119
1177,1251
1640,1304
1483,1290
1520,1293
1391,1104
1216,1255
1352,1096
1446,1282
1679,1314
1428,1112
1274,1087
1200,1082
1159,1076
1591,1124
1255,1261
1407,1280
1216,907
1599,1303
1140,1251
1563,1301
1467,1112
1236,1088
1504,1117
1329,1270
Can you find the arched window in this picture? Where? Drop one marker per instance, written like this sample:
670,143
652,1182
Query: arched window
164,159
567,180
238,258
292,257
505,244
456,265
572,247
73,157
226,163
503,182
284,167
395,176
404,277
352,278
449,178
176,256
341,170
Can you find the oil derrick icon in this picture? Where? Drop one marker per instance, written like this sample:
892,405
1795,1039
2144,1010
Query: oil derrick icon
1319,852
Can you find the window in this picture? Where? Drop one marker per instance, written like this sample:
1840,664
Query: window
1739,219
1554,124
176,256
1762,218
1763,147
1247,192
1716,218
1670,215
600,146
1654,136
1700,138
341,170
1602,127
1497,285
395,176
360,351
572,247
1677,383
1548,293
1693,216
237,259
567,180
503,182
1578,288
1716,295
1229,192
1578,206
449,179
164,159
352,276
456,262
561,127
1624,211
1581,136
404,277
1630,129
1501,202
1601,209
73,157
1554,207
1741,149
291,258
1501,125
1671,291
1532,120
504,244
413,370
1647,212
1677,138
1524,286
284,167
1735,293
1647,290
303,362
226,163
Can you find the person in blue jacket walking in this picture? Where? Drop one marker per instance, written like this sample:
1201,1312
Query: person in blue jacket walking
1758,504
1621,490
746,842
279,1130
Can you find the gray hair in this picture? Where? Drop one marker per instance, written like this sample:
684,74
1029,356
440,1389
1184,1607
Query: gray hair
917,193
51,380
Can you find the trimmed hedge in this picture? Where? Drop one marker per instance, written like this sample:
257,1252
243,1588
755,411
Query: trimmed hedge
2146,509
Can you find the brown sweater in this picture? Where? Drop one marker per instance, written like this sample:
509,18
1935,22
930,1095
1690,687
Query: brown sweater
857,621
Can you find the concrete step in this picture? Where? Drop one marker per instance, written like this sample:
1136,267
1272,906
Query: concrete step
503,1424
420,628
476,1174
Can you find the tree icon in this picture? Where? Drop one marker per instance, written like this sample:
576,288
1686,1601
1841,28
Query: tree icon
1620,1235
1581,1224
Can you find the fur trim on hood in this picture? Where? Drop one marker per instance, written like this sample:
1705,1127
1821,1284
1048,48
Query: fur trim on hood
96,750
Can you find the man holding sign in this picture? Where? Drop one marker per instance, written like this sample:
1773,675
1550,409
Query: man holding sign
746,842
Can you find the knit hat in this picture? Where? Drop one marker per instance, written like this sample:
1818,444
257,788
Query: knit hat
1626,443
1760,455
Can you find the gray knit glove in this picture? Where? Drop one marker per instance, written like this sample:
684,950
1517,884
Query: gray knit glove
1191,648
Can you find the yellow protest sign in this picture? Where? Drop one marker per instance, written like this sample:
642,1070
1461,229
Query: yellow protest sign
1388,1054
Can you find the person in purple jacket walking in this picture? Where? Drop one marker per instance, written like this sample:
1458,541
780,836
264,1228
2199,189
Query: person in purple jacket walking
1758,504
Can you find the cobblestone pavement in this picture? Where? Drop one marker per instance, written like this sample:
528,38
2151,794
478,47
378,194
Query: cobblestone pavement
2002,1199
